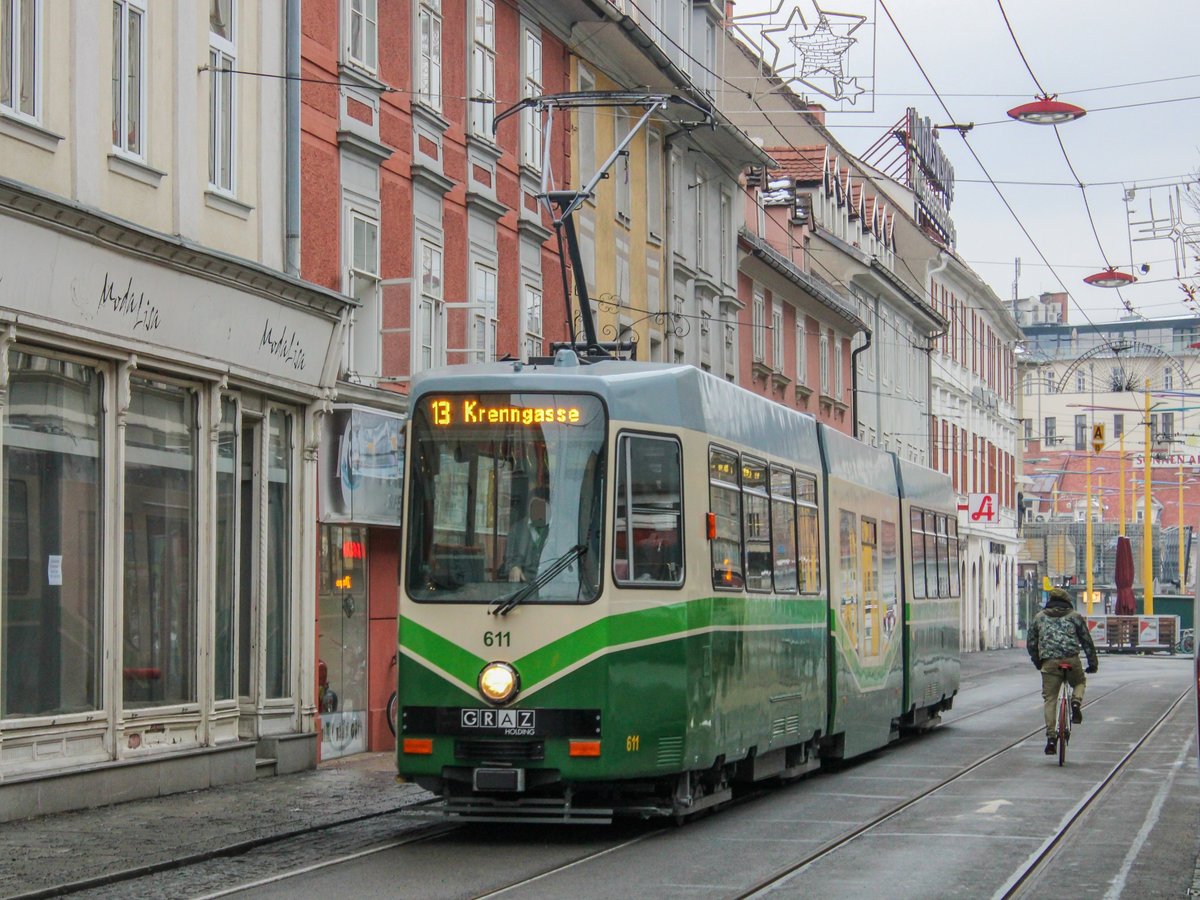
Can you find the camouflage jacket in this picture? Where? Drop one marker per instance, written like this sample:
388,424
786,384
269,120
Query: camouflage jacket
1058,632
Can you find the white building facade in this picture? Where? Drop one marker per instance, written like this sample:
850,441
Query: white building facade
160,386
975,441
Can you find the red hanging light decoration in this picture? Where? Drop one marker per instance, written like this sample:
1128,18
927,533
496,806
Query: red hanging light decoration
1046,110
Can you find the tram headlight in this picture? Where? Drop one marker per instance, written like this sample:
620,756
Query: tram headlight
499,682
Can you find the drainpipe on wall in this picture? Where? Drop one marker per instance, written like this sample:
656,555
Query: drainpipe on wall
943,261
854,379
291,160
668,235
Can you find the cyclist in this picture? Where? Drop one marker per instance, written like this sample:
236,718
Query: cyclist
1056,636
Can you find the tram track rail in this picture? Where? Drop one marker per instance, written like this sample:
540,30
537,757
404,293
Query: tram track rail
781,876
1041,857
108,879
437,828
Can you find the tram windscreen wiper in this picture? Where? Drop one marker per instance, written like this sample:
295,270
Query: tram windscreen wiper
552,571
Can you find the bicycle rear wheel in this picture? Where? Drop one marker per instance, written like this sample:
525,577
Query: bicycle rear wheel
391,713
1064,727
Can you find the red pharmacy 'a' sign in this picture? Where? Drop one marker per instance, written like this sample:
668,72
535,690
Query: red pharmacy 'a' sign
983,508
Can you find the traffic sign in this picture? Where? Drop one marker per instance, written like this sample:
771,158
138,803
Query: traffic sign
1098,437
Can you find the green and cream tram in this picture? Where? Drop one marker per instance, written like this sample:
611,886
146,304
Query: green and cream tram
628,587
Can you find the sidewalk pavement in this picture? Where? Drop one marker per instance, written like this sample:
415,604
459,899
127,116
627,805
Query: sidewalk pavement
99,845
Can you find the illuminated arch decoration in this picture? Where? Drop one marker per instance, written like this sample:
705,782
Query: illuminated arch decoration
816,50
1124,375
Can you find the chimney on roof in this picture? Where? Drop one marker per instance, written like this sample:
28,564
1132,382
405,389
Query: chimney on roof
817,111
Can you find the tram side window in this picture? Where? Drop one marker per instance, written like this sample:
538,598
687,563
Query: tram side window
871,621
917,542
808,535
943,558
725,505
783,529
648,545
931,575
756,525
954,564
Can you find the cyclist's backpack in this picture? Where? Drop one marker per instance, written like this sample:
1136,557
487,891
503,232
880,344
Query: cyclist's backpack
1057,637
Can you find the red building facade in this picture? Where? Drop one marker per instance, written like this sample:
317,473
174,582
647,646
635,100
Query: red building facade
414,208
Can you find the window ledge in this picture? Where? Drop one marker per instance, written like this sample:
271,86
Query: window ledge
226,204
376,151
760,369
135,169
803,392
779,380
429,115
29,132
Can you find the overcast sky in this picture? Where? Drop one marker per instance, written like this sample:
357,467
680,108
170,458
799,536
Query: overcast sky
1089,52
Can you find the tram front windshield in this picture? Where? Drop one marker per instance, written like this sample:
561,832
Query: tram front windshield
506,498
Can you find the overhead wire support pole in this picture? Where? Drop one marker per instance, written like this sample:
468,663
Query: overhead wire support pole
561,205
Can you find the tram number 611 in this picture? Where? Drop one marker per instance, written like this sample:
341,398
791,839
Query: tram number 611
633,743
497,639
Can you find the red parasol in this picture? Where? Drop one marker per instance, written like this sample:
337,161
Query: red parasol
1123,578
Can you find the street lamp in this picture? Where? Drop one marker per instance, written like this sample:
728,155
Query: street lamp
1046,110
1109,278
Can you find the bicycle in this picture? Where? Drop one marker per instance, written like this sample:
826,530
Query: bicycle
393,700
1187,641
1065,695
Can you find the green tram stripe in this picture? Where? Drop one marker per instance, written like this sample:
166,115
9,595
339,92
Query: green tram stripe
645,626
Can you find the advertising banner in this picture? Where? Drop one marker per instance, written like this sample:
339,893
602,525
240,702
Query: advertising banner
1098,629
361,466
1147,630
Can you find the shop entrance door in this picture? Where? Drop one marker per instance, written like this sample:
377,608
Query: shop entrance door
342,640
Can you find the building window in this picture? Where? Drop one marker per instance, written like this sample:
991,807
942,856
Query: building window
801,350
531,119
1118,425
222,60
839,385
654,184
1028,429
363,276
1081,432
483,319
1168,379
361,34
533,321
1080,382
1049,433
279,555
700,196
725,250
128,76
1168,427
51,630
430,308
777,336
759,325
225,605
1049,376
825,364
159,610
483,70
20,30
429,53
624,194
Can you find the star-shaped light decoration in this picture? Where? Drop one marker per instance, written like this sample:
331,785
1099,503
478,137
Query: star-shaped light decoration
819,62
